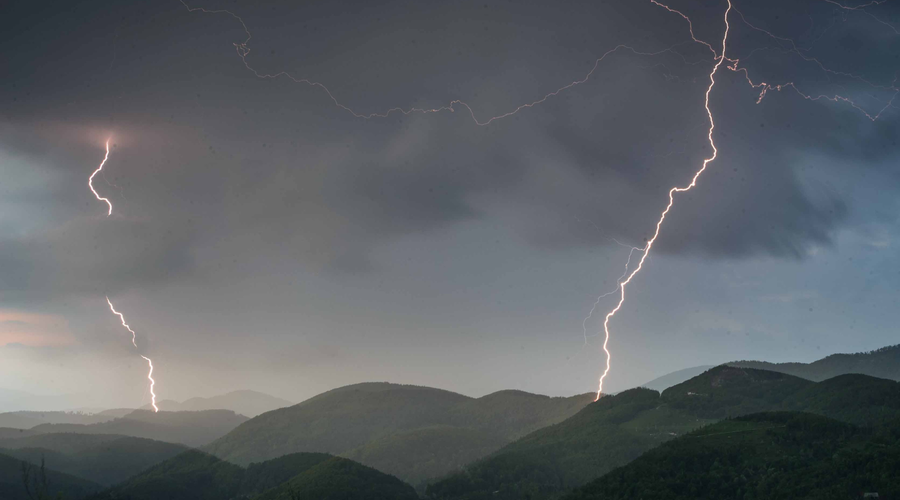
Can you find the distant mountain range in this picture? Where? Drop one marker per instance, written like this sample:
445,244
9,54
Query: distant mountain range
732,431
245,402
193,428
410,431
881,363
29,419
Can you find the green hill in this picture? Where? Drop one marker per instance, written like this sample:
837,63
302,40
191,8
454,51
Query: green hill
101,458
194,475
413,432
619,428
762,456
190,428
881,363
426,452
68,487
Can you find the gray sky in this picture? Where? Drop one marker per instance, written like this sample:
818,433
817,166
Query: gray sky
265,238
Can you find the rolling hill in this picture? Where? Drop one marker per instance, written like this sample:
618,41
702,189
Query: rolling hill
762,456
193,428
662,383
411,431
13,488
101,458
617,429
194,475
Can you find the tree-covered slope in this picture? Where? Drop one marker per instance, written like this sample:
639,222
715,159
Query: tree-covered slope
68,487
194,475
602,436
426,452
762,456
341,479
413,432
619,428
103,459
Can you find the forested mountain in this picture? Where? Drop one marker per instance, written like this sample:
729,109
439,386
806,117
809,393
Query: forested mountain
881,363
411,431
101,458
619,428
192,428
765,456
194,475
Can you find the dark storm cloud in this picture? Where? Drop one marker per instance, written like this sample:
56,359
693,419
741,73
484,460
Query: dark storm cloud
216,157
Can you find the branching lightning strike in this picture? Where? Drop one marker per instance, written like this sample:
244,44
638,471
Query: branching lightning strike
719,59
113,309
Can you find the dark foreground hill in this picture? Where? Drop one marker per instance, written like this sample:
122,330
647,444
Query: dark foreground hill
101,458
191,428
410,431
617,429
194,475
67,487
766,456
881,363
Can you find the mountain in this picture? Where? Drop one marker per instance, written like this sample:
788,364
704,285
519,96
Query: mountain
617,429
12,486
101,458
662,383
248,403
881,363
191,428
411,431
194,475
762,456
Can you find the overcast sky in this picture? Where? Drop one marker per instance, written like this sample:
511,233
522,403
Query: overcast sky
265,238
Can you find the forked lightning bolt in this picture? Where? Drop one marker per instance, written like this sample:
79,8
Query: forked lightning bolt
113,309
662,217
133,341
243,50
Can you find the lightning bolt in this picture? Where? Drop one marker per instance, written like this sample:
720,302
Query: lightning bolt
646,250
91,180
113,309
152,383
121,317
134,342
720,59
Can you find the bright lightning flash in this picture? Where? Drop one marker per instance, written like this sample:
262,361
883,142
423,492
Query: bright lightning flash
91,180
662,217
113,309
243,50
133,341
